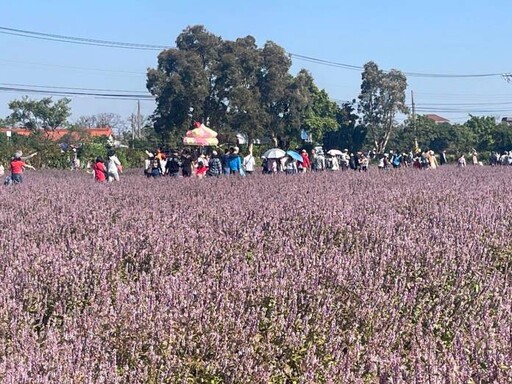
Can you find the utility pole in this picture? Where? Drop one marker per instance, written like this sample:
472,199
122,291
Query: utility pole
139,122
414,122
413,113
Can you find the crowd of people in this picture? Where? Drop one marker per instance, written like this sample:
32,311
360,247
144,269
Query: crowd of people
214,163
186,163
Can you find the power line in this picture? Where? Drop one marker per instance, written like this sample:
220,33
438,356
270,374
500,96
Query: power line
72,88
154,47
124,96
117,71
409,74
79,40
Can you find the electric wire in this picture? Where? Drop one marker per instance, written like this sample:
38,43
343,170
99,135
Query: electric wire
154,47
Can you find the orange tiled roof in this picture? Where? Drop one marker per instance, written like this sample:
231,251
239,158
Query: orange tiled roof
58,133
437,118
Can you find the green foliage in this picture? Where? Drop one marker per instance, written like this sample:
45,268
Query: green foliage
233,86
382,97
320,116
482,128
502,138
349,135
50,155
40,114
481,133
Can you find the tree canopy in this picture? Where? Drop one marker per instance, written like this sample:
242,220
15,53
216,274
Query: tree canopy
40,114
382,97
233,86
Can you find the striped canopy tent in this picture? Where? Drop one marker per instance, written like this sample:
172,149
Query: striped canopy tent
201,136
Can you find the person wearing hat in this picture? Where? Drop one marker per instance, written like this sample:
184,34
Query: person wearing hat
17,166
19,154
201,166
214,165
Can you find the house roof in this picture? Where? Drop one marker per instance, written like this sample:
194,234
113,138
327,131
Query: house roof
58,133
437,118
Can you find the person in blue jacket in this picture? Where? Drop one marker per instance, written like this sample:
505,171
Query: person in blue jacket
235,163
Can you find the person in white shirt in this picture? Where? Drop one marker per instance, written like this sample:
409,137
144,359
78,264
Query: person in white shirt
249,163
113,166
335,165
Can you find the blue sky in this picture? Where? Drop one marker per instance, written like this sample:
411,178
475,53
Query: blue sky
436,37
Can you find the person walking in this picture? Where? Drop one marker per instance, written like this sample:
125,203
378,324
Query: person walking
186,164
306,164
214,165
442,158
461,161
225,163
474,157
234,161
249,164
113,166
172,165
17,166
100,171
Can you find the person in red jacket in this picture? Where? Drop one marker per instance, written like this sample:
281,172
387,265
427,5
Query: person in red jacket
17,167
306,164
100,171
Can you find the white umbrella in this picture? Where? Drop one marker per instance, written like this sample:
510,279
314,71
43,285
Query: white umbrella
334,152
274,153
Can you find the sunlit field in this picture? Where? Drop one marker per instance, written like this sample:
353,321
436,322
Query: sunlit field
345,277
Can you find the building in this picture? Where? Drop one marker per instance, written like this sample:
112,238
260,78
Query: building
437,119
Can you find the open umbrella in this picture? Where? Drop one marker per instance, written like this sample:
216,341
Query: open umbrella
295,156
334,152
274,153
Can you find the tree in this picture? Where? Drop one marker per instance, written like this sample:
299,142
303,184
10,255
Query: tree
184,82
238,74
272,83
422,130
382,97
232,86
40,114
320,116
502,138
101,120
349,134
483,127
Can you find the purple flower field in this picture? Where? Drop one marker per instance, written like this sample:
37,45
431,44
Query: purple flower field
396,277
